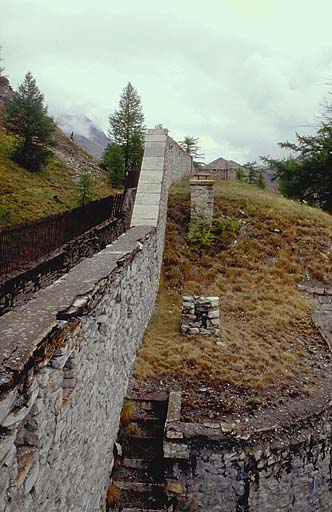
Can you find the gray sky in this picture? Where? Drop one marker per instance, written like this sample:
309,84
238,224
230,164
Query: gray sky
240,74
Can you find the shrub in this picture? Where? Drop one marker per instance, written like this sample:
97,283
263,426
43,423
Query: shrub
219,234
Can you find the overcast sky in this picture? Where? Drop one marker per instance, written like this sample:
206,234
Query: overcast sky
240,74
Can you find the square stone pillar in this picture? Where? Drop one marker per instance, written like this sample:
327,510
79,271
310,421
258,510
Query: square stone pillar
200,315
201,199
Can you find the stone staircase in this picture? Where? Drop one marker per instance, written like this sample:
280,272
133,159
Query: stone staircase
139,471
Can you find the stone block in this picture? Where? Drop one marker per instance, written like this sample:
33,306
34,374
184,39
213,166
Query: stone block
153,164
7,403
148,198
213,313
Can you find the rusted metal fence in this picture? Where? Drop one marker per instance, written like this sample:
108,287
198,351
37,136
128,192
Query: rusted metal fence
28,242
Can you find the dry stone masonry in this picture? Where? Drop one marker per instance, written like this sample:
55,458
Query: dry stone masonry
321,300
200,315
66,357
202,202
224,466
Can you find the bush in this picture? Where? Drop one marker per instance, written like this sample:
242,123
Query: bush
219,234
4,212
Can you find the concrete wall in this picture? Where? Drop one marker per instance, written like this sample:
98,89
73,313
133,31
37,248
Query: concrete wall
66,356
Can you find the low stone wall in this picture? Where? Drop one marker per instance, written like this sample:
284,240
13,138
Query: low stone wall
321,300
261,479
65,360
215,467
22,286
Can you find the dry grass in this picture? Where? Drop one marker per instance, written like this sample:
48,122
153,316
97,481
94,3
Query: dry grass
113,497
266,321
127,412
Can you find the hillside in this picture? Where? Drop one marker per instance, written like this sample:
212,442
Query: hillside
273,355
91,138
27,196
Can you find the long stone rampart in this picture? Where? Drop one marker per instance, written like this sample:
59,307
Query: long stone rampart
66,356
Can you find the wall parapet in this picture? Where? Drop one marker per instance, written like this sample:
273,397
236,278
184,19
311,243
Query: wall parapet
65,361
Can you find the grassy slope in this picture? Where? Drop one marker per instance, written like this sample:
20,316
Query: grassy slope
266,323
28,196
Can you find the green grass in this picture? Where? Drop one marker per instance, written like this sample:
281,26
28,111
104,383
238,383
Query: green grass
27,196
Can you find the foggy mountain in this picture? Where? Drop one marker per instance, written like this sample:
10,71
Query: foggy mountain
91,138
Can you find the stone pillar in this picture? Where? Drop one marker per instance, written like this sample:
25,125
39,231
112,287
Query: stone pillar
201,188
200,315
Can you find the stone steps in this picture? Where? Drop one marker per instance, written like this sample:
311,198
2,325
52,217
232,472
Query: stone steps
139,475
136,486
135,463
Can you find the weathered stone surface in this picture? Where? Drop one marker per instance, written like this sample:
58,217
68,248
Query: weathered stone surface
202,201
200,315
6,404
264,477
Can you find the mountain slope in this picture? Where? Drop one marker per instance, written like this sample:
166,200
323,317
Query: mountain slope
91,138
27,196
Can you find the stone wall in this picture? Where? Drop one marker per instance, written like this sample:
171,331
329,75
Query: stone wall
201,200
19,288
66,356
321,299
259,479
217,467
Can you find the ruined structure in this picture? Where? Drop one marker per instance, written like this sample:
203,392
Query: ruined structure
200,315
66,356
201,198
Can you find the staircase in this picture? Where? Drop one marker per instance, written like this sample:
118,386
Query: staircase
139,472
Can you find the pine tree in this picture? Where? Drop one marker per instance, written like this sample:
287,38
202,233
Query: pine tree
26,116
191,146
113,162
260,182
85,187
127,128
240,176
251,172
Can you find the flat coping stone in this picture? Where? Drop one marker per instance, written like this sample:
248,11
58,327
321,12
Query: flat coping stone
24,328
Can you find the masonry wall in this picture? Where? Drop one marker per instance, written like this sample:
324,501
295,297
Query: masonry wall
263,478
66,356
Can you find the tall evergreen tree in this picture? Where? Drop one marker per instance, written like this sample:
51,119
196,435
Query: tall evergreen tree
127,128
26,116
191,146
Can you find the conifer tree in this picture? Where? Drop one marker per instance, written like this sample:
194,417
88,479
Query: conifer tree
26,116
113,162
127,128
86,192
191,146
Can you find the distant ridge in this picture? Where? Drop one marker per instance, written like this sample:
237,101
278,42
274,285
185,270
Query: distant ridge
85,133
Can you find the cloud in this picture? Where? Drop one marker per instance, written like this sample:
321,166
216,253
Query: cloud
240,75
